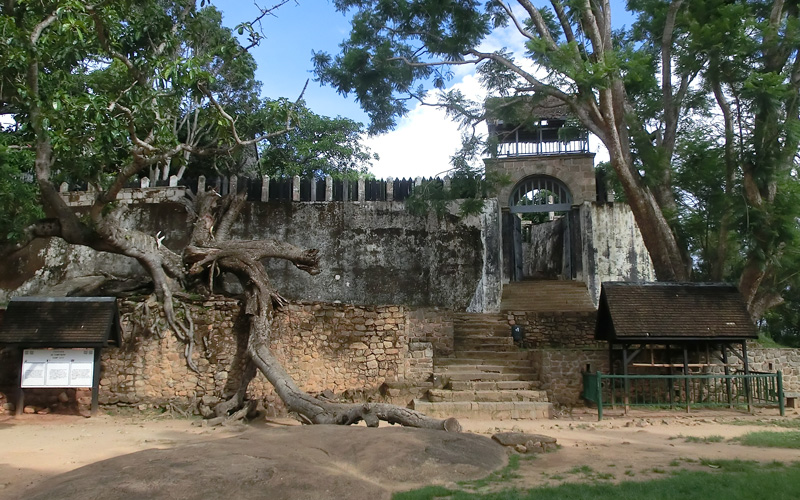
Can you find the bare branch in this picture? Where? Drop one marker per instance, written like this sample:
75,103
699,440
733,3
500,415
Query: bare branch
520,28
538,21
232,122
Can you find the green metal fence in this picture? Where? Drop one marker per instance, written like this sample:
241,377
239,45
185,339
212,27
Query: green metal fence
684,391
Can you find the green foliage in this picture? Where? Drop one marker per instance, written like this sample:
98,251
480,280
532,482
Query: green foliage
317,147
782,324
469,189
18,195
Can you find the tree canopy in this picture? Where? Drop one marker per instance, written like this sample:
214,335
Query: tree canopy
696,103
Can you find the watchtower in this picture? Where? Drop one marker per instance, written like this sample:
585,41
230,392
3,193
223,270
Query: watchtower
539,146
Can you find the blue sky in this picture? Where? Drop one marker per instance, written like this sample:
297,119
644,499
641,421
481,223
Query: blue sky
284,57
422,143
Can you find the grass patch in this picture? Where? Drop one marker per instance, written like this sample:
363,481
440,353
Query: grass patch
426,493
771,439
731,479
584,470
505,474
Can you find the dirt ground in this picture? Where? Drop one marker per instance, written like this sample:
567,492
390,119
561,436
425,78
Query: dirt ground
644,445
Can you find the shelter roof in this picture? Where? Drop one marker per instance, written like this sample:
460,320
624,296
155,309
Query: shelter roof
653,312
61,322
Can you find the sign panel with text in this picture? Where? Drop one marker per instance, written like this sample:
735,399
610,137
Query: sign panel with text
57,368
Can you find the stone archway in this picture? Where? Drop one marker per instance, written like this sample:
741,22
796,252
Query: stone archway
539,207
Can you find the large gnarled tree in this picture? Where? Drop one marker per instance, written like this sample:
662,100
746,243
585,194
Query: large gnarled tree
104,92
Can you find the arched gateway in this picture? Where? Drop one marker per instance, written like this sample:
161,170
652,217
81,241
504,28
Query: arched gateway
540,193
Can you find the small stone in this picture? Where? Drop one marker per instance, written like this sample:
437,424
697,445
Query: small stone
62,396
535,447
29,410
515,438
520,448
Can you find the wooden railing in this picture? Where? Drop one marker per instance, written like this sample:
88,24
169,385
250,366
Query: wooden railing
684,391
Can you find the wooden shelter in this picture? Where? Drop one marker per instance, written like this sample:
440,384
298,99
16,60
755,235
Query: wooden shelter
688,320
674,328
62,323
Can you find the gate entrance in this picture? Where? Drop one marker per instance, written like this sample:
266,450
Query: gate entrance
539,229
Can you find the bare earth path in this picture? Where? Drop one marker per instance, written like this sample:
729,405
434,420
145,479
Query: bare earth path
36,448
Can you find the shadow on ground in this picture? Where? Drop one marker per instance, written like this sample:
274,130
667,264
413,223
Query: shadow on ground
320,462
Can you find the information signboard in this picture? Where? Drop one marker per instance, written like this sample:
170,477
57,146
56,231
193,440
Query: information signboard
57,368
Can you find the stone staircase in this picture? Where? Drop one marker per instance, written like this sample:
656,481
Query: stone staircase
546,296
487,377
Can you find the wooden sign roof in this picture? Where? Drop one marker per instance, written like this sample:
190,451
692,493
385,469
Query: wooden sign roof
61,322
651,312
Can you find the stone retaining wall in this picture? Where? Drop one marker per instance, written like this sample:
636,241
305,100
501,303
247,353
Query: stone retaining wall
561,372
349,350
570,329
774,359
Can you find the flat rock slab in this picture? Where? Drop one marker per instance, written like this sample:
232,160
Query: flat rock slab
296,462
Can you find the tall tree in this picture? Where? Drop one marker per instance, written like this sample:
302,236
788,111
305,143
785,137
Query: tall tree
631,88
96,91
317,147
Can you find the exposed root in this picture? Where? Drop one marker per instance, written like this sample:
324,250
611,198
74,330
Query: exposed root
240,414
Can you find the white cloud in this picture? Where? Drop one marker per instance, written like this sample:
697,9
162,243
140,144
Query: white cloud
424,141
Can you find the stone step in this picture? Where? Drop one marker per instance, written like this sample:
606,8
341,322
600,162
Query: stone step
460,334
546,296
448,370
494,385
487,376
491,355
461,361
439,395
473,317
459,348
483,341
504,410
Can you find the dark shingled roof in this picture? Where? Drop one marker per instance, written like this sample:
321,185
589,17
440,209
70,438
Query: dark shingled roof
647,312
61,322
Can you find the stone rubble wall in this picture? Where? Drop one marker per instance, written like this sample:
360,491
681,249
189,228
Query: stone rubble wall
127,196
770,360
433,326
562,330
561,372
342,348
